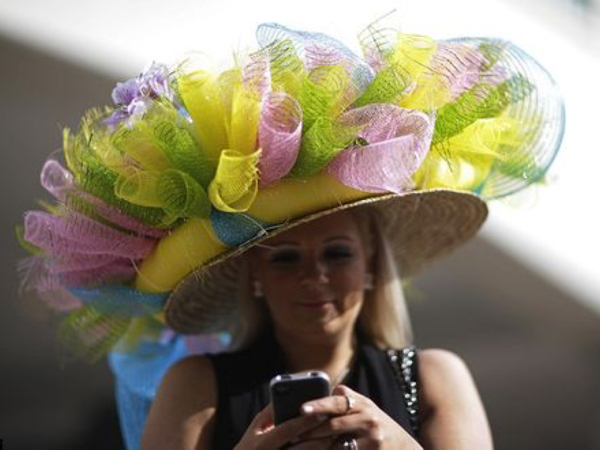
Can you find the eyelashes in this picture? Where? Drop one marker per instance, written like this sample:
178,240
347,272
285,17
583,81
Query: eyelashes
338,252
285,256
331,253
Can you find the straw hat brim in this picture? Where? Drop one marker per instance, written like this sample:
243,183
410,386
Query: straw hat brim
421,226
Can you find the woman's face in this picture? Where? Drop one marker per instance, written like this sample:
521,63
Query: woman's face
313,276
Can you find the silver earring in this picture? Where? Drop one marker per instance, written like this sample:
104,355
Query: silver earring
257,288
368,283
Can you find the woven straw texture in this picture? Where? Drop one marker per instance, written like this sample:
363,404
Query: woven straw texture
420,226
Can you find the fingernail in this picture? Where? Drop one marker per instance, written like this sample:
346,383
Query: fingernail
307,409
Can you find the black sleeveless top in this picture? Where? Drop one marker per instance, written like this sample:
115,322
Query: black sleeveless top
243,386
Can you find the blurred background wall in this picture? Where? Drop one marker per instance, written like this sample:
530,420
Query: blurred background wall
520,303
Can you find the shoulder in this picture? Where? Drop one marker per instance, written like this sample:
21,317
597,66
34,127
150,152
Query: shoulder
443,376
436,363
193,374
192,367
184,406
449,401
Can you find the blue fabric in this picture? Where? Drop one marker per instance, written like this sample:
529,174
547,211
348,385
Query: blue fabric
138,375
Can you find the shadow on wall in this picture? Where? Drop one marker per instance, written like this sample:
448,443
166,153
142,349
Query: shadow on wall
535,353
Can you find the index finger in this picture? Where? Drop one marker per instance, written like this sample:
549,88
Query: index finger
336,404
263,421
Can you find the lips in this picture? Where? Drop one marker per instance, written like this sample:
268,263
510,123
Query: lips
313,304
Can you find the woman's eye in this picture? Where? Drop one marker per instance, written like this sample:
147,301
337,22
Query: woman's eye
285,257
338,252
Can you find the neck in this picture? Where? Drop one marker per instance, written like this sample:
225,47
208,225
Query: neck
331,355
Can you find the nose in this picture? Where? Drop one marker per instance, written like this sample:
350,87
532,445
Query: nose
315,272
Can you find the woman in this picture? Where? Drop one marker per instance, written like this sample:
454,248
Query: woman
320,283
273,202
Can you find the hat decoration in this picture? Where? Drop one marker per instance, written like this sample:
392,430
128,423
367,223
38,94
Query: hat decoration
188,165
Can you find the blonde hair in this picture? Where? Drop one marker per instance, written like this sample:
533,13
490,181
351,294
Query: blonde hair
383,319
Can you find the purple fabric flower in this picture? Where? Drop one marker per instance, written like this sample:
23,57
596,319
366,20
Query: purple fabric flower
124,93
134,96
154,82
115,119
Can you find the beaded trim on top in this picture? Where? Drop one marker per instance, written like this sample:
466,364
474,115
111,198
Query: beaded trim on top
405,368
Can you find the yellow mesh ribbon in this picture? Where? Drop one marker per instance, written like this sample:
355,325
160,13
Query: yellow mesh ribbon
465,160
245,115
178,254
310,194
229,82
414,53
201,94
236,181
139,146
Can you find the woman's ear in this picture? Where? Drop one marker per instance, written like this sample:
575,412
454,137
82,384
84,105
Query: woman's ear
251,267
257,289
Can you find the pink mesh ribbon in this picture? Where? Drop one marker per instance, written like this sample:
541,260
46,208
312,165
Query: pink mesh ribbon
56,179
78,251
34,273
59,182
279,134
205,343
397,140
77,234
464,66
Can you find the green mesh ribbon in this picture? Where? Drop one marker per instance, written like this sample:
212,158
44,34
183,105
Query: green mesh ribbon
182,196
90,334
82,151
323,94
287,69
388,86
154,170
320,144
480,102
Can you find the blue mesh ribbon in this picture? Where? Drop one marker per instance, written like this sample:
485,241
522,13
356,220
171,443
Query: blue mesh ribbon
237,229
121,300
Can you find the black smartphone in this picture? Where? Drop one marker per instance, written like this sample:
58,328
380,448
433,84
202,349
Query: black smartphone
290,391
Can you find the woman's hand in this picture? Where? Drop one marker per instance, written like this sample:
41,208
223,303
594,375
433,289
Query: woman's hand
363,421
263,434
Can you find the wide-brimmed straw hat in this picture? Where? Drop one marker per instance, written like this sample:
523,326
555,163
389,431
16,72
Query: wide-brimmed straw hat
191,168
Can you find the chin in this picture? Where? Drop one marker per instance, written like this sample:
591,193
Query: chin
325,329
